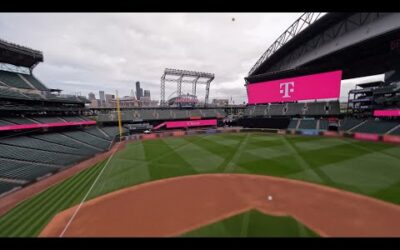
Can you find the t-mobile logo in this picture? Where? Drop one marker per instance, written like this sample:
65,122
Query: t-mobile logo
286,88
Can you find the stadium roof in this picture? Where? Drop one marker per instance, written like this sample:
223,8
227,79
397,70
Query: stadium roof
315,27
19,55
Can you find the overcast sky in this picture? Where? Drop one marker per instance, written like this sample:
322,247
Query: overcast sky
104,51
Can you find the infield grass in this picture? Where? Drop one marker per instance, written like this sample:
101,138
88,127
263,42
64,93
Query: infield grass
254,224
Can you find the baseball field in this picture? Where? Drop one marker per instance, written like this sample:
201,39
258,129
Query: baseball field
367,171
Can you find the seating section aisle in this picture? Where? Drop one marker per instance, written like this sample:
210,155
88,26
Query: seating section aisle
26,158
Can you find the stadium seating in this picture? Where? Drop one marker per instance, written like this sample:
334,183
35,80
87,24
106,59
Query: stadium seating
323,124
164,114
220,112
29,157
275,109
378,127
146,114
349,123
195,112
29,142
395,131
61,139
7,186
47,119
259,110
295,109
88,139
13,80
12,169
249,111
315,108
5,123
35,82
112,131
293,124
19,120
99,133
12,94
181,114
334,107
73,119
308,124
161,114
35,155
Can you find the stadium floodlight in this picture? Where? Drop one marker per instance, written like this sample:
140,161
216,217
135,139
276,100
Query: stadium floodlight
185,76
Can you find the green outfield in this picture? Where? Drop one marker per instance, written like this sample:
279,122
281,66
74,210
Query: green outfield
371,169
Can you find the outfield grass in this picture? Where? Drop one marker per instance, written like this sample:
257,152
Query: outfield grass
371,169
254,224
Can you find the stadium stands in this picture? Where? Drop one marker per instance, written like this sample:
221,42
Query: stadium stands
315,108
396,131
308,124
6,187
13,169
161,114
323,124
27,158
293,124
349,123
12,94
294,109
377,127
19,120
275,109
180,114
259,110
334,107
14,80
35,82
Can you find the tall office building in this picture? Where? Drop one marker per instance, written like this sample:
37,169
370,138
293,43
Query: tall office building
139,91
102,99
147,93
92,96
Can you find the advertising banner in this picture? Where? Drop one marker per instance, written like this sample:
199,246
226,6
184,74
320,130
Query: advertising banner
388,112
368,137
310,87
195,123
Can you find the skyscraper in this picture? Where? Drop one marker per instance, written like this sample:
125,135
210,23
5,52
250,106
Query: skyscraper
139,91
102,98
147,93
92,96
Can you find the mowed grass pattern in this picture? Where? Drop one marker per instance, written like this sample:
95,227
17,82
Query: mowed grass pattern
371,169
253,224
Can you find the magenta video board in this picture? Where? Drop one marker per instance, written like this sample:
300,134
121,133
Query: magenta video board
318,86
388,112
196,123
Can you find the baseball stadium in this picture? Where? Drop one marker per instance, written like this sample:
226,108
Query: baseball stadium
291,162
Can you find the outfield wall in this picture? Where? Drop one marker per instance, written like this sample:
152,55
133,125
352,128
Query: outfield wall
304,132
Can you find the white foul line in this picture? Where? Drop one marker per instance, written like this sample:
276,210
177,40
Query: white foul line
84,198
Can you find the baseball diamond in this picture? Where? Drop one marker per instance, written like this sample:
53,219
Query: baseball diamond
189,139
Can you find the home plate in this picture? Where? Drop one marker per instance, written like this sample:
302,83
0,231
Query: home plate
269,197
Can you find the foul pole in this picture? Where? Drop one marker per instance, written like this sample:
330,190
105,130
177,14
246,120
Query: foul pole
119,116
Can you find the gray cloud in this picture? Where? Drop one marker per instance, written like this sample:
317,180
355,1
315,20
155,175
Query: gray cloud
88,52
